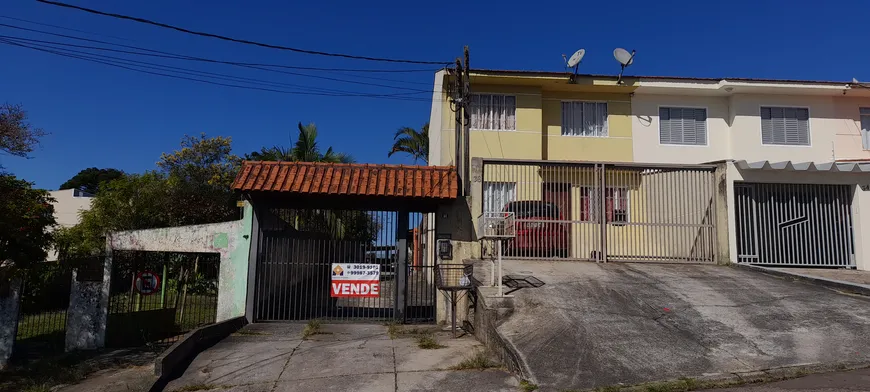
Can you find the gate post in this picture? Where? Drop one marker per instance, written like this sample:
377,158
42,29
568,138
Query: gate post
89,305
401,274
10,296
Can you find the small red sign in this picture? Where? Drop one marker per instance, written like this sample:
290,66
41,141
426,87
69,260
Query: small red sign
147,283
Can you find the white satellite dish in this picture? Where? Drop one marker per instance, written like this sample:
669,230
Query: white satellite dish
623,56
855,81
625,59
576,57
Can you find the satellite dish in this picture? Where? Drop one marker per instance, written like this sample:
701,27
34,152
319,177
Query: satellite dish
574,62
623,56
625,59
576,57
855,81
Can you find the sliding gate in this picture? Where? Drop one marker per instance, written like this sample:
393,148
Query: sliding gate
604,211
343,265
794,224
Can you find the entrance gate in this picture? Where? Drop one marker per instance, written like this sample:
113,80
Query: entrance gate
794,224
604,211
306,255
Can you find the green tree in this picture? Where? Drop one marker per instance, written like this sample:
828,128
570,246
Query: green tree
89,179
17,136
26,223
199,177
306,149
412,142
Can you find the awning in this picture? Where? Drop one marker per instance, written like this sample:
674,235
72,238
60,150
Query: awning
848,167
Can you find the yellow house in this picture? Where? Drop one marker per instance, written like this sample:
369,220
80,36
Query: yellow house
539,135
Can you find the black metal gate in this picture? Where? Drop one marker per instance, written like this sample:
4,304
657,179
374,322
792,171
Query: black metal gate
183,298
304,253
794,224
45,291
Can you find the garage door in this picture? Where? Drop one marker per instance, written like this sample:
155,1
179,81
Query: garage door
794,224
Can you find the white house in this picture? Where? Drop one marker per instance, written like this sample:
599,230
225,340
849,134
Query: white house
67,206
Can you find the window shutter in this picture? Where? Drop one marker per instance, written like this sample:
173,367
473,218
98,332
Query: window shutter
785,126
700,116
664,126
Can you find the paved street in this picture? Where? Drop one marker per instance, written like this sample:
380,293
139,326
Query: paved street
346,357
856,380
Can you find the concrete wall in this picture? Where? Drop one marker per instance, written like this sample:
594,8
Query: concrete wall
230,239
645,124
9,302
860,201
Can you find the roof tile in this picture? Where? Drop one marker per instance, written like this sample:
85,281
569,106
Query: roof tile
428,182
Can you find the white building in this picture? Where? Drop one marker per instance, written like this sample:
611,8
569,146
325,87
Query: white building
67,208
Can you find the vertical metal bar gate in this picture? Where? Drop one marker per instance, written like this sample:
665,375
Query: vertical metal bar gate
794,224
299,250
604,211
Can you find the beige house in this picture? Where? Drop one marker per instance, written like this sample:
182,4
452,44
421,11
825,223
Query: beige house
68,205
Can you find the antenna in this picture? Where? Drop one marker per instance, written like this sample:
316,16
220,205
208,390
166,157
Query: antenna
574,62
625,59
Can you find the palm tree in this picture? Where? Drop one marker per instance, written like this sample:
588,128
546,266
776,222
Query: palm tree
412,142
304,150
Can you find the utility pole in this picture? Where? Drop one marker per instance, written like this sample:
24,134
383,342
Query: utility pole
466,144
457,107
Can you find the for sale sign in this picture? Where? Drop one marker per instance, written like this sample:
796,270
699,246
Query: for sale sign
355,280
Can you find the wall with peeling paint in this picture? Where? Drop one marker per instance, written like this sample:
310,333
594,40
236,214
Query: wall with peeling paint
232,240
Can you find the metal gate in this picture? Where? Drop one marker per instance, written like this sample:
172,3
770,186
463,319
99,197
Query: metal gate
794,224
299,250
604,211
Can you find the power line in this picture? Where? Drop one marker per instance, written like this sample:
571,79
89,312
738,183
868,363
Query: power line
191,58
62,28
238,40
131,68
218,61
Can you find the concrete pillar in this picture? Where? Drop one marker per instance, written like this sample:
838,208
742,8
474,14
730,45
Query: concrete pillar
89,307
861,224
9,302
724,194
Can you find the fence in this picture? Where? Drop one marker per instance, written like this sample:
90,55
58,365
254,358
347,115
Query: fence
45,291
159,296
604,211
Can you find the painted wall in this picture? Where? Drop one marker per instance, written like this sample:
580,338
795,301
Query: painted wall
645,126
232,240
617,146
847,133
67,206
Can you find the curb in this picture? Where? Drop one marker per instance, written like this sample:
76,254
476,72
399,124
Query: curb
176,358
831,283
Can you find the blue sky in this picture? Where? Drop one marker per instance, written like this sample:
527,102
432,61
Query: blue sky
109,117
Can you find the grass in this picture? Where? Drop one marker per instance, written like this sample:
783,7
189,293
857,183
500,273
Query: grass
396,330
428,342
311,329
477,361
41,375
249,333
527,386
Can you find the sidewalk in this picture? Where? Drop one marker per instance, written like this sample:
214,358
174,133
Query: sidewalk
850,381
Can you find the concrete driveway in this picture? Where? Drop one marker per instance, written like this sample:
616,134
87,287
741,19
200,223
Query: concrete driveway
593,324
343,357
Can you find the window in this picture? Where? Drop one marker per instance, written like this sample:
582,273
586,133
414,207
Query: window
785,126
584,119
493,112
683,126
497,194
617,204
865,127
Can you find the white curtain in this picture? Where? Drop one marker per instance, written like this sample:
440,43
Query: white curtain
865,128
497,194
584,118
493,112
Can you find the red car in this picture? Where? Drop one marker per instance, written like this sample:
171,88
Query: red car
540,230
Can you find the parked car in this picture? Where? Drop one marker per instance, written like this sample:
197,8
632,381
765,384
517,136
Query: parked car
539,231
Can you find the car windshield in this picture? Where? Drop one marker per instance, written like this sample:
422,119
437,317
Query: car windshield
528,209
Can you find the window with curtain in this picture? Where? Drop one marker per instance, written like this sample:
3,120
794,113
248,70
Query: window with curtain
584,118
785,126
687,126
493,112
865,127
497,194
616,204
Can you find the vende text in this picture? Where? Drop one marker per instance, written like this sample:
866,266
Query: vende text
355,288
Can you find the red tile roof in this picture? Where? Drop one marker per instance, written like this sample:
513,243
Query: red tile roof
346,179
